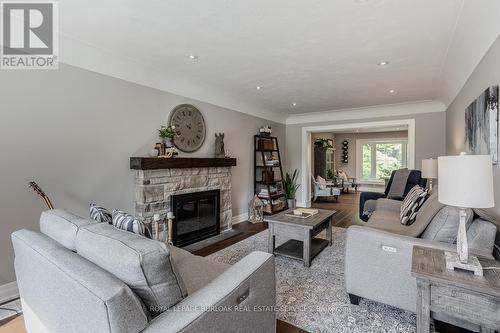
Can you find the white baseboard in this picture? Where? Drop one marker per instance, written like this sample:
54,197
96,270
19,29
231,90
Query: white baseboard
8,292
239,218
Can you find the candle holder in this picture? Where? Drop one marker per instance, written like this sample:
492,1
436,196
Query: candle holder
170,218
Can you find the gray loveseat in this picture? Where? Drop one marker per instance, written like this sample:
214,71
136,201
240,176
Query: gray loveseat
378,255
81,276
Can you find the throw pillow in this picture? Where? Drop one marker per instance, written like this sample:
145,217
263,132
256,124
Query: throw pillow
411,203
100,214
146,266
444,225
124,221
322,182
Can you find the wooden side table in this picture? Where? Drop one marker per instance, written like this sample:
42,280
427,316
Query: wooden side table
456,297
302,244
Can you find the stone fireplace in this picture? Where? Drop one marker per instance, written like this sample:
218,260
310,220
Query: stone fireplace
158,180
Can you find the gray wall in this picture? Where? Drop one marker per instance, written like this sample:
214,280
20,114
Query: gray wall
429,135
486,74
350,167
73,131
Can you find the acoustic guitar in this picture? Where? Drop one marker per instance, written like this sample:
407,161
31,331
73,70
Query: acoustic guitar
42,194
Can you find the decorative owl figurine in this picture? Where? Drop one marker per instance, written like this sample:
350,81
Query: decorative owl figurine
219,145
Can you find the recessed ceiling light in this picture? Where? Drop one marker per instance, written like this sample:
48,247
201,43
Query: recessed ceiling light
192,57
383,63
294,104
258,87
392,91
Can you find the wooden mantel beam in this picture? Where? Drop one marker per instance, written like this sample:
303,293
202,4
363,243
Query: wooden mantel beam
155,163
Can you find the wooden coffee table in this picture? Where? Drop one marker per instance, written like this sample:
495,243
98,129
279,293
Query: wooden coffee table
302,244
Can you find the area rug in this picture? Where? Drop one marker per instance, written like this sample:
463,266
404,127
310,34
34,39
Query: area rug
314,298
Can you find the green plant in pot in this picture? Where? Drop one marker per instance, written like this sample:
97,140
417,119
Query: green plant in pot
291,187
322,142
167,134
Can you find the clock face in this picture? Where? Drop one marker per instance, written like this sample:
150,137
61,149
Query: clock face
190,127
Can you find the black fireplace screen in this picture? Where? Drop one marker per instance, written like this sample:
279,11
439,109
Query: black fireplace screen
197,216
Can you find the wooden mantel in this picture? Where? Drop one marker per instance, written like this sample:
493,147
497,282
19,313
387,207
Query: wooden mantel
155,163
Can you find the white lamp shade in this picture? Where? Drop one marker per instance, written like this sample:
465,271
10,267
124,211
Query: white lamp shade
430,168
466,181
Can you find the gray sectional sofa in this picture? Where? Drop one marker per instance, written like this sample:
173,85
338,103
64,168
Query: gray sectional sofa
81,276
378,255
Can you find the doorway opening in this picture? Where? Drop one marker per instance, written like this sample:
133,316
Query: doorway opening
366,151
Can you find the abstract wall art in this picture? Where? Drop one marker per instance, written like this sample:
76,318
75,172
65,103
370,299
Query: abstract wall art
481,125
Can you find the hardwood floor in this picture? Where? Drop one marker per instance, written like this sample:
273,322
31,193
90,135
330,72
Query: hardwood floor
346,207
347,215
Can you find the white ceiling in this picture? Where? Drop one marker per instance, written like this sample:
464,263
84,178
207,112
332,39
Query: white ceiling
321,54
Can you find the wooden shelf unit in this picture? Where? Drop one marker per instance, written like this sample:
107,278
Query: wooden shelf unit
264,175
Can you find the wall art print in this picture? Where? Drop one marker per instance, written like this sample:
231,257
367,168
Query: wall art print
481,125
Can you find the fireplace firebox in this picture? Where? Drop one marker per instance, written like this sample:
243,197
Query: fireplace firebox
197,216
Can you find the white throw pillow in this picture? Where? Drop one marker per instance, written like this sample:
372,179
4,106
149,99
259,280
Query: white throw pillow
411,203
343,175
322,182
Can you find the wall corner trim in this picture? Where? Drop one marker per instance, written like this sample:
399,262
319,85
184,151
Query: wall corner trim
8,292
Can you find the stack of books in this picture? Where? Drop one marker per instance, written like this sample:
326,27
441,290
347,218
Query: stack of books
272,161
264,193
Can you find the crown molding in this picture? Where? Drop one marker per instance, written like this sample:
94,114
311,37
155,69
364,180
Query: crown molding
390,110
83,55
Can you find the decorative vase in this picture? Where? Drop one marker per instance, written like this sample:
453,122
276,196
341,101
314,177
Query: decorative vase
169,142
290,203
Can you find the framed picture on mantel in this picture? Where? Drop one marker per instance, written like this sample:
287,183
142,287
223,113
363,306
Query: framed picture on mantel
481,125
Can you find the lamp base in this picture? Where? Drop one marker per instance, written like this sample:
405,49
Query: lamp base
453,262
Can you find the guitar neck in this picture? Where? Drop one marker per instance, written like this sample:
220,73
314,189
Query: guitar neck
48,202
42,194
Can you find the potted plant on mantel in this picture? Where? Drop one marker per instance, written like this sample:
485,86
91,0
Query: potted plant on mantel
291,187
167,135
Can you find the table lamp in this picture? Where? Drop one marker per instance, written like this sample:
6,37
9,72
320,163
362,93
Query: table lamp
465,181
430,170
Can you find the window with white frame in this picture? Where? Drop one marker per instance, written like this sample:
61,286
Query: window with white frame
377,158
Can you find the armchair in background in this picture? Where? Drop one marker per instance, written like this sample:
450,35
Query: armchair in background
326,189
414,178
345,182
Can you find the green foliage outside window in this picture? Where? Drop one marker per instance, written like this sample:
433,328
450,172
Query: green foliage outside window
388,157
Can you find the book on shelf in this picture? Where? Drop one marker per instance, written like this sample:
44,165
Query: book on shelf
265,193
271,160
266,202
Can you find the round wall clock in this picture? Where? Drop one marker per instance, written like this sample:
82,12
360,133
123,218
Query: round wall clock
190,127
